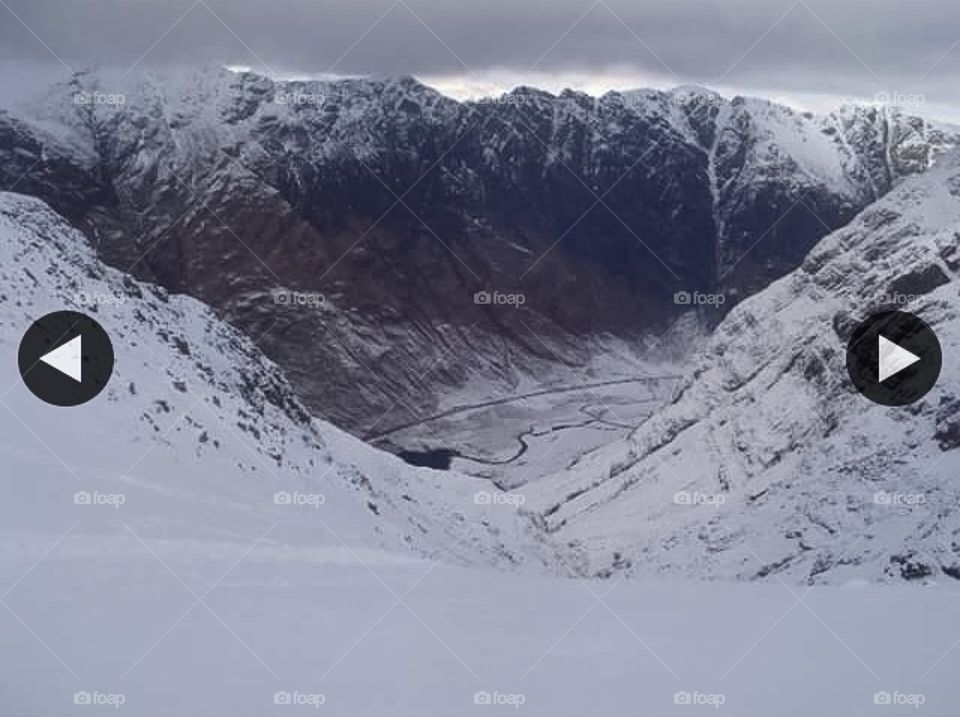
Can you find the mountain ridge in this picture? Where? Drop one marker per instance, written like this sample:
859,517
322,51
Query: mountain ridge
398,205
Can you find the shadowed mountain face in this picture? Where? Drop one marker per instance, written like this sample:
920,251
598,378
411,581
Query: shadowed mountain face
348,226
724,482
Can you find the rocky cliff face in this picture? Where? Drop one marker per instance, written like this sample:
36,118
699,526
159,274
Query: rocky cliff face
353,222
766,461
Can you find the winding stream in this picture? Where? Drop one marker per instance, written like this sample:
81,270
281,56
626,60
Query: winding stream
442,458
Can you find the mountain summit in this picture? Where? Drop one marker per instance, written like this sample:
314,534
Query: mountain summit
364,217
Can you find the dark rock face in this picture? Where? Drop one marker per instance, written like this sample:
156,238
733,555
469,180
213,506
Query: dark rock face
398,205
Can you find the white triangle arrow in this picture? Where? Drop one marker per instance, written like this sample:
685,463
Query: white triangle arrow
894,359
67,359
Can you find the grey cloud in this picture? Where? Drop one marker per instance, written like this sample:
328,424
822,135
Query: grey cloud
822,46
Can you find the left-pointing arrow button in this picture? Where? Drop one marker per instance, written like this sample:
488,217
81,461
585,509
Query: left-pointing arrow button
66,358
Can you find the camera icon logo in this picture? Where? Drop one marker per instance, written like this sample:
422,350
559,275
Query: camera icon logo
882,698
682,698
482,298
682,298
482,698
282,698
282,498
82,698
882,498
82,498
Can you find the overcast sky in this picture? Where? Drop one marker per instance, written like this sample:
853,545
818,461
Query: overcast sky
813,51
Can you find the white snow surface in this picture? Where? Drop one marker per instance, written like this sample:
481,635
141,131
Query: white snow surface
282,622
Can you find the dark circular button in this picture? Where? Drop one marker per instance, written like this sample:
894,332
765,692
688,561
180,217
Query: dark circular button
894,358
66,358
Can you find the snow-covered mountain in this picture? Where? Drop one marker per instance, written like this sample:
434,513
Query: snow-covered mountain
194,542
766,461
389,206
200,433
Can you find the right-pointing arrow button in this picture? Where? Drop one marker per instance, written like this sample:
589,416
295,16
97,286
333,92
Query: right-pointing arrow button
893,358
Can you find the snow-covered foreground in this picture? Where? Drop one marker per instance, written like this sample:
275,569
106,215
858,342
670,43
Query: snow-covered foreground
193,543
220,627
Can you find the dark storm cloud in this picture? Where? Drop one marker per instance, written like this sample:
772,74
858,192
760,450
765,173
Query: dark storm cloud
828,47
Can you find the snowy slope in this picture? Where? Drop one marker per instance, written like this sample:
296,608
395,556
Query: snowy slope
766,462
315,627
199,431
855,151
